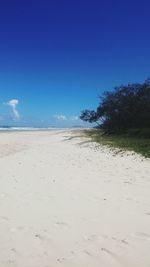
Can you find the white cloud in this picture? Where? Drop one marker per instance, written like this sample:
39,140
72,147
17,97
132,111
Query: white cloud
13,105
60,117
74,118
66,118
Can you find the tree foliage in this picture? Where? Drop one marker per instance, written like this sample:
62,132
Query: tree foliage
126,107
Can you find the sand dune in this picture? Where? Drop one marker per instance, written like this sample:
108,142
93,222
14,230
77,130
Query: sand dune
71,204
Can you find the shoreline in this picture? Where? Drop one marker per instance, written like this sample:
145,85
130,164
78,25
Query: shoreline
22,129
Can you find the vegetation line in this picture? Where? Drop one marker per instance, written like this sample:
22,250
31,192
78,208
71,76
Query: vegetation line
121,141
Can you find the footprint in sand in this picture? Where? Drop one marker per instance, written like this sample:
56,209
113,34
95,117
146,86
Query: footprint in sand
115,257
61,224
123,241
89,237
88,253
141,235
10,262
39,236
93,238
43,238
61,260
13,250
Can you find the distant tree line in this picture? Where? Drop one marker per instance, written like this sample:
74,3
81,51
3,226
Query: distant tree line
125,108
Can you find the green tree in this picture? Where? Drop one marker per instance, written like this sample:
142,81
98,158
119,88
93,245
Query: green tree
126,107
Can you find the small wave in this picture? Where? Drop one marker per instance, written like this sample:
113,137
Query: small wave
24,129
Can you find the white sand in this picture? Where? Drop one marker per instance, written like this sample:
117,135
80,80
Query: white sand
67,204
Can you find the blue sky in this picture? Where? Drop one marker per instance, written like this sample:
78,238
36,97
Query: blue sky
57,56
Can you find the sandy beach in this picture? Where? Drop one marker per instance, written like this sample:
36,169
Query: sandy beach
67,203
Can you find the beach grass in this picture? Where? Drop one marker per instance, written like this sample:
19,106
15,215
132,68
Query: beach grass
138,144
